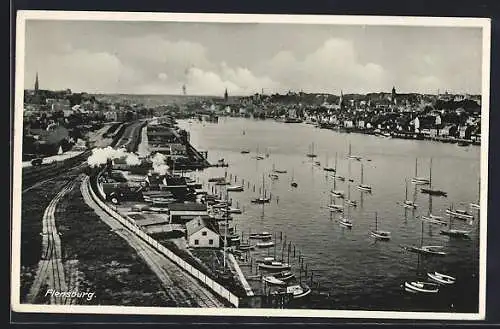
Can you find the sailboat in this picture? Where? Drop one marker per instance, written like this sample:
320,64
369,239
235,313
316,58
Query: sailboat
378,234
311,154
430,190
346,220
475,205
259,156
327,168
262,198
351,156
335,175
293,183
408,203
364,187
349,202
336,193
425,250
278,171
459,213
334,207
417,179
454,232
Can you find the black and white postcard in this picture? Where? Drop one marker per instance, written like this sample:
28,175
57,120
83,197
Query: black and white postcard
250,165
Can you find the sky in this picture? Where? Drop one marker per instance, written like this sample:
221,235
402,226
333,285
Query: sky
159,57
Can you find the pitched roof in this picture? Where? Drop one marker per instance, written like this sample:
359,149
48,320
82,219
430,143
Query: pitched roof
199,223
191,206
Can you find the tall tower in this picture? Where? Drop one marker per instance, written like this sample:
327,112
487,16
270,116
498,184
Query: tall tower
393,95
184,89
36,83
225,96
341,100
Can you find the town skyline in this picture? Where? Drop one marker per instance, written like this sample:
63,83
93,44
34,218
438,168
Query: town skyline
153,58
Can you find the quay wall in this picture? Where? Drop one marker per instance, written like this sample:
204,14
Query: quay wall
189,269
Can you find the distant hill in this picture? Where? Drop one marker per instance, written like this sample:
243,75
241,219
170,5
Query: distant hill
154,100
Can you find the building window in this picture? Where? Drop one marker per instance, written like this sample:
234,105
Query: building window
196,242
211,242
204,233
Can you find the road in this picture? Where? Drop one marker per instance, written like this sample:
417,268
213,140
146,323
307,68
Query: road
179,285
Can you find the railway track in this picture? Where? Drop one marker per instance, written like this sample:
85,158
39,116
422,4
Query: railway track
185,290
50,269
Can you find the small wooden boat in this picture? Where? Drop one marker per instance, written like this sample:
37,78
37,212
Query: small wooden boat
344,221
441,278
429,250
459,213
245,246
433,192
474,206
262,236
329,169
216,179
233,210
337,193
261,200
272,280
294,184
431,220
455,233
317,163
311,154
422,287
335,207
245,151
274,176
298,291
340,178
284,275
274,265
280,171
235,188
265,244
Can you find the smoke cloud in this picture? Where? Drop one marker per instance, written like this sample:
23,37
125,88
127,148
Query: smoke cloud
159,165
100,156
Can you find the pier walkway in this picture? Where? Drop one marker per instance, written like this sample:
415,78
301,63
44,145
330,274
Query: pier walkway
243,280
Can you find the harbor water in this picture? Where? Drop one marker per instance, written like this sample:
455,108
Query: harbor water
350,269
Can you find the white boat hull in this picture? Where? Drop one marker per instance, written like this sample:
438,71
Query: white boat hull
441,278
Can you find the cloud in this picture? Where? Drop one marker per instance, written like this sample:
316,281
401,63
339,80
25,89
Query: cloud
86,71
332,67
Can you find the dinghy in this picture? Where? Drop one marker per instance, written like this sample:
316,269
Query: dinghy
422,287
272,280
441,278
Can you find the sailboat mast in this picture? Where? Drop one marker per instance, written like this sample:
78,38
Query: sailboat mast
349,148
422,235
361,173
335,162
430,174
376,222
416,167
406,189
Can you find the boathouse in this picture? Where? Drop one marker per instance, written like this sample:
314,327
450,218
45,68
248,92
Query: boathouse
181,213
202,233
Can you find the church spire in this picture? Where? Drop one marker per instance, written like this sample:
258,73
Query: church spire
225,95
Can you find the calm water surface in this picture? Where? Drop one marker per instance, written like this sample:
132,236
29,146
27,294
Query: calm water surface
351,270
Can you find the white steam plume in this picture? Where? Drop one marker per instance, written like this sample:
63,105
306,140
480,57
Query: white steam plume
100,156
159,165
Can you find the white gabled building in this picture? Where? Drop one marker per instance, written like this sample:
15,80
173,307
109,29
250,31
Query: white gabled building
202,233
